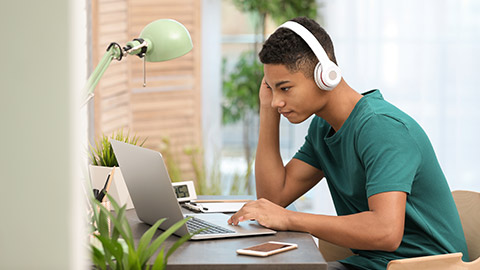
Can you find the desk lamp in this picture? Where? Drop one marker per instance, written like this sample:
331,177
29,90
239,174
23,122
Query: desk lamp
160,40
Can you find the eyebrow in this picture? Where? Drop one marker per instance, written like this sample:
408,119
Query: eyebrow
280,83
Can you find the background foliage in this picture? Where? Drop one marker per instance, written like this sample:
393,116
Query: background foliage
241,84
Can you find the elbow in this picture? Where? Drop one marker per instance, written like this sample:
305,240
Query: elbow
277,199
273,199
390,241
264,195
391,245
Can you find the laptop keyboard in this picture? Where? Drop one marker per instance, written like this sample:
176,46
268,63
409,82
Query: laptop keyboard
195,224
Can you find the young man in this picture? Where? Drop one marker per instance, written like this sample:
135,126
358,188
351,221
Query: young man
391,196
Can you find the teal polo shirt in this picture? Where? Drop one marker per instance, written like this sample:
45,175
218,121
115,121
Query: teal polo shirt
378,149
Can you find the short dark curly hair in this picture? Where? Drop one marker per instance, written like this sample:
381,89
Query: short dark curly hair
287,48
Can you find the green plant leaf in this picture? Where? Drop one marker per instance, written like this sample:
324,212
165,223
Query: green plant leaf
101,153
126,227
157,242
279,10
177,244
146,239
122,225
133,262
160,263
107,249
117,224
98,258
111,248
125,252
102,223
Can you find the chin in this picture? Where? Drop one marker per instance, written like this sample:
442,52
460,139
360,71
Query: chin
295,120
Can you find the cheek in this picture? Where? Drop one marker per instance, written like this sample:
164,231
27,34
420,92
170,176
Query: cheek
304,97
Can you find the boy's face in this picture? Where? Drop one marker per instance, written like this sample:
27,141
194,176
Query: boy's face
293,95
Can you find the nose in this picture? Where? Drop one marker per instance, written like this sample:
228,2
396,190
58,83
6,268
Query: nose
277,101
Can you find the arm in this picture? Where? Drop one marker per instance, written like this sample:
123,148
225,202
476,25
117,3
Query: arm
380,228
274,181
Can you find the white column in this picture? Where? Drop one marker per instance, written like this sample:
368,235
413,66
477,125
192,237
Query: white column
41,224
211,82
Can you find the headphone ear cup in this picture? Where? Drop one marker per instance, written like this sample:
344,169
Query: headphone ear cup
327,78
331,76
317,75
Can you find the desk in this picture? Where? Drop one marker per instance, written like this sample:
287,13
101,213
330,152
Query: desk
221,253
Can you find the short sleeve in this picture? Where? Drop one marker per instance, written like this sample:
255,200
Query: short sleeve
389,154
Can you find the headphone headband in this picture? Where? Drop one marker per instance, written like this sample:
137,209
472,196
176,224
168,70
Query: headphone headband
327,75
309,38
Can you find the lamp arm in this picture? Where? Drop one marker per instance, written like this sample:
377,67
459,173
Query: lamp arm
113,52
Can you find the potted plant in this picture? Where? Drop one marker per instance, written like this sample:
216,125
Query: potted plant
103,160
113,246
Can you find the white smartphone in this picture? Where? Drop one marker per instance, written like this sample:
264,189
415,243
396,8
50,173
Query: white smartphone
267,249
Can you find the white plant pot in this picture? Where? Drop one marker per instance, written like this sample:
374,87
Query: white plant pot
118,189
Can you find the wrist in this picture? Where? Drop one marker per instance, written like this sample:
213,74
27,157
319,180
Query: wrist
291,220
268,110
266,106
298,222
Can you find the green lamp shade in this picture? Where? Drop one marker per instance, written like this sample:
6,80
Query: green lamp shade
167,39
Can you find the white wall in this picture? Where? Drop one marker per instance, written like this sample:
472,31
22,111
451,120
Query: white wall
41,224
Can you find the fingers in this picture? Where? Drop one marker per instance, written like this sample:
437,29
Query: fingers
264,212
264,83
253,210
237,217
233,220
245,213
265,94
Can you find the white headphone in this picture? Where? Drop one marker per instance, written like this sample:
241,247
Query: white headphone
327,75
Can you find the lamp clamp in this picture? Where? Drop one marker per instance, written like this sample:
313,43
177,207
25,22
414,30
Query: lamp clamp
120,54
131,49
143,46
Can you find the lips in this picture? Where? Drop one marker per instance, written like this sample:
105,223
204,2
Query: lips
285,113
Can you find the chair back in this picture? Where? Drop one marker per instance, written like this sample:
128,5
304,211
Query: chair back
332,252
468,206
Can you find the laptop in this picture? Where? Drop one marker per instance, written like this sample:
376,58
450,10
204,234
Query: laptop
153,197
